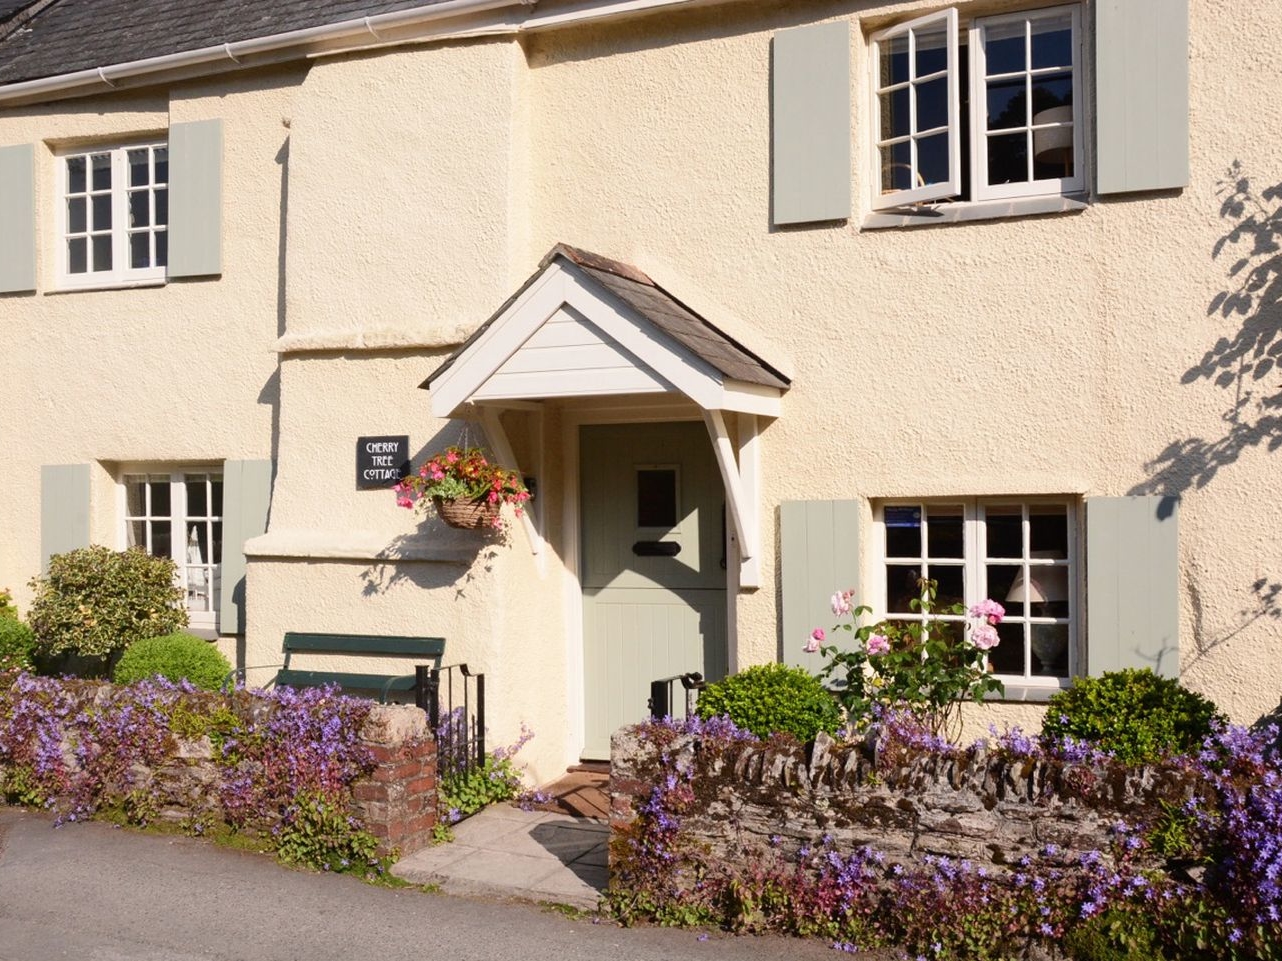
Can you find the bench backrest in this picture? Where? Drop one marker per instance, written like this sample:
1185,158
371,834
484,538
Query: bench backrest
298,643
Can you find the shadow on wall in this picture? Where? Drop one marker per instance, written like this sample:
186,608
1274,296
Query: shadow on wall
1247,365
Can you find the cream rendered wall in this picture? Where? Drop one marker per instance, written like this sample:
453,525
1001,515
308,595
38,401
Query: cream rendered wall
1037,355
407,226
181,373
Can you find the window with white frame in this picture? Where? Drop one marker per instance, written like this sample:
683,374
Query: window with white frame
179,515
983,111
113,215
1021,553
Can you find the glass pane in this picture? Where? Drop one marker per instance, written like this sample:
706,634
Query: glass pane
894,114
162,207
139,208
102,252
160,499
216,495
1049,644
894,61
1004,48
1007,104
1004,532
657,498
197,505
161,545
932,104
1008,656
75,175
932,159
1006,587
953,631
161,157
1048,531
198,552
77,214
945,533
136,498
162,249
1008,158
136,532
1053,42
896,167
932,52
102,212
902,587
140,250
1053,90
903,531
952,585
101,164
138,168
218,543
77,255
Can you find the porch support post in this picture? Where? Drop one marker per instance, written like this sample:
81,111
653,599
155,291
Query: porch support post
742,508
750,475
503,451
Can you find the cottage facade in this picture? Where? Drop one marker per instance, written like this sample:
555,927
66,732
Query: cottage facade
768,299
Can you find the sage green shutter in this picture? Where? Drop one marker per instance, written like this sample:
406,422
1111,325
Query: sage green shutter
1141,94
64,510
1132,584
818,555
195,199
247,493
17,219
810,101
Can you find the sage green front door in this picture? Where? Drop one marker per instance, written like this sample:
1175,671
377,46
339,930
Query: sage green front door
653,567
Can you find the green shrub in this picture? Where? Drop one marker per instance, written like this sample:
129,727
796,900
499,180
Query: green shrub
773,698
17,645
1133,713
174,656
8,610
1117,935
95,602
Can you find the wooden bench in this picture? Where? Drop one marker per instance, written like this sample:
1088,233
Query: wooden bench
354,645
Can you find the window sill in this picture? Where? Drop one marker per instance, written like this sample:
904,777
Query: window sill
120,285
1030,693
957,213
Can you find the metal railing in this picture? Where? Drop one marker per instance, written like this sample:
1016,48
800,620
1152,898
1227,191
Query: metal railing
661,700
454,699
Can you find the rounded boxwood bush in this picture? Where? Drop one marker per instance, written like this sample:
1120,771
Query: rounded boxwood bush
95,602
176,657
1136,714
773,698
17,645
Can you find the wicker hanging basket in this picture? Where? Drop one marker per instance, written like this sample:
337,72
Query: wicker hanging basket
467,515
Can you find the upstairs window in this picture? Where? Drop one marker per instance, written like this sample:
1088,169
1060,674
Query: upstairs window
986,112
114,216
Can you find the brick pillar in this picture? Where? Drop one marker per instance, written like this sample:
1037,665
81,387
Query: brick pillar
397,801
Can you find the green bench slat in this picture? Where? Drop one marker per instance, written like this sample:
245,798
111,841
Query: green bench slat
297,643
348,682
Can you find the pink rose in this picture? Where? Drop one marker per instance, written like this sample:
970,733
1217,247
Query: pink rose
985,637
841,603
816,638
877,644
988,610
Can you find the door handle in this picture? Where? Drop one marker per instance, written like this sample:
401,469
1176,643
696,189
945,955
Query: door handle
656,548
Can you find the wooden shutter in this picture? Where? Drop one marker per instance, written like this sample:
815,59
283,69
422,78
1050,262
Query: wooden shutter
1142,94
17,219
195,199
818,554
247,491
1132,584
64,510
810,100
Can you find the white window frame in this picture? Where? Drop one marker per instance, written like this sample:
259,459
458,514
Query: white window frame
975,572
980,190
204,614
120,274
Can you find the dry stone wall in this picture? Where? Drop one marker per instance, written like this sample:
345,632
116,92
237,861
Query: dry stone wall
979,805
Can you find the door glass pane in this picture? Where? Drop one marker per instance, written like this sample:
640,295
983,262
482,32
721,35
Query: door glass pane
161,540
657,498
217,557
216,496
137,533
903,531
136,497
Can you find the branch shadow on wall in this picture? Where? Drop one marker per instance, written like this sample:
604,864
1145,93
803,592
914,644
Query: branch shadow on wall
1246,365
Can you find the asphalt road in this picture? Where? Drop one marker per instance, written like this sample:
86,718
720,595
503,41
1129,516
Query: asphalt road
92,892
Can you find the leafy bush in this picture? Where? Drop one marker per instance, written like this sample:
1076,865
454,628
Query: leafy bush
1136,714
771,698
318,833
95,602
8,610
17,645
174,657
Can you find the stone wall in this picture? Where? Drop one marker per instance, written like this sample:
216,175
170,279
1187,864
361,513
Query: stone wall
973,804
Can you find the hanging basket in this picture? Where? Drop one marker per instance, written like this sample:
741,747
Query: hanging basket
467,515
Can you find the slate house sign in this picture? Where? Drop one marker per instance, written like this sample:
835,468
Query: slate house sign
381,461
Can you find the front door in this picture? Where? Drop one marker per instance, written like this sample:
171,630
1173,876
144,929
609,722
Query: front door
653,567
